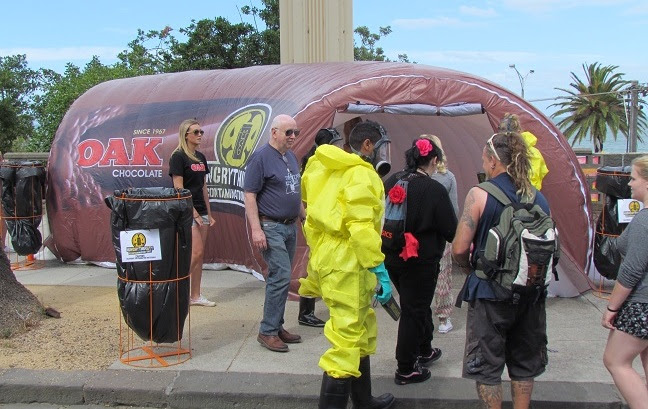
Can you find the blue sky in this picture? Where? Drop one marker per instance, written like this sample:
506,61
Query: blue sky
551,37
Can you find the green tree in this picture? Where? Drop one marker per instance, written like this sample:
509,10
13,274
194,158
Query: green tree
60,91
205,44
594,106
367,50
210,43
18,85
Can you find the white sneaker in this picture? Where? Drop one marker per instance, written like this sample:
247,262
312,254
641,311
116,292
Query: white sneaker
203,302
446,327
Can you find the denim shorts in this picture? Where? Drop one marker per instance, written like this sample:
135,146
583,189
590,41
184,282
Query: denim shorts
205,220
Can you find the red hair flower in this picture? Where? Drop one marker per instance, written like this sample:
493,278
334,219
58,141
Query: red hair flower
397,194
424,146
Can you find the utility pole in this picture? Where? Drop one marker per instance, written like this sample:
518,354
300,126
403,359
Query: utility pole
634,114
521,78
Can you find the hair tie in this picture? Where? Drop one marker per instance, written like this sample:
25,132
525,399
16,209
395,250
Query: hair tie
424,146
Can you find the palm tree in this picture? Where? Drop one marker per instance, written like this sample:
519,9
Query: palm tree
594,106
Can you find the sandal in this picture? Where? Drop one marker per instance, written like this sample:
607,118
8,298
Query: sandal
434,356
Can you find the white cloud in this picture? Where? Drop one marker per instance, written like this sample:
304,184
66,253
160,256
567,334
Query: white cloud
523,60
638,9
436,57
414,23
534,6
477,12
65,53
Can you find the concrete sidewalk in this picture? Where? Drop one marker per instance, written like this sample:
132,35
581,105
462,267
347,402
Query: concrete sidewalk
229,369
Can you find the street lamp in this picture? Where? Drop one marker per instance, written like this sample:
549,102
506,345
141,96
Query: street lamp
522,78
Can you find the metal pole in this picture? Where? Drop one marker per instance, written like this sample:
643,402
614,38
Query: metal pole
634,108
521,78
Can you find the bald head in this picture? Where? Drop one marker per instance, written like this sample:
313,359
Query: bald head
282,125
281,120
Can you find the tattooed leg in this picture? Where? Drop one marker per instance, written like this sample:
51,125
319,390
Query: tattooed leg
521,393
490,396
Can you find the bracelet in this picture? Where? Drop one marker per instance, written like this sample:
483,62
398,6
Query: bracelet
611,310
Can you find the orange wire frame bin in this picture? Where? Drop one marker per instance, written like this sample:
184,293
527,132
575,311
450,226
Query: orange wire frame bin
152,354
136,351
28,261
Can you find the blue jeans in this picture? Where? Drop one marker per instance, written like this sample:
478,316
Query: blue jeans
281,240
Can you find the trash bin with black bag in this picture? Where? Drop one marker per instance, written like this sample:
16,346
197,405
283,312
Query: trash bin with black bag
154,295
612,181
22,203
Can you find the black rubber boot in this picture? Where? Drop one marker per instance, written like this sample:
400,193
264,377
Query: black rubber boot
361,390
334,393
307,313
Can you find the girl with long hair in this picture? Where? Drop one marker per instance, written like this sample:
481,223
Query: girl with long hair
188,168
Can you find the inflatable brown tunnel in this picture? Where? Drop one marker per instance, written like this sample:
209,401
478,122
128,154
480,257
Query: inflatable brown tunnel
121,133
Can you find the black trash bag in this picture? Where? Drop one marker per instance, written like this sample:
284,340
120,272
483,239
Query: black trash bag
8,176
22,203
607,258
613,181
157,284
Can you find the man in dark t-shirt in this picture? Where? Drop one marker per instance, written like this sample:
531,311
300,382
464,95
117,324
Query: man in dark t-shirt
272,205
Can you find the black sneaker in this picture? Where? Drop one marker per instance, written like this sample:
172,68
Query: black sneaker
418,374
427,360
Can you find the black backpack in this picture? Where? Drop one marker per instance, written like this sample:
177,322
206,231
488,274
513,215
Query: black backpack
393,232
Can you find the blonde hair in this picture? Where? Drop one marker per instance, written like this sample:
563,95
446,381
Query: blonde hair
513,153
182,139
641,164
442,165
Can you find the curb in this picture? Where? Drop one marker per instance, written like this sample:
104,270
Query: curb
199,389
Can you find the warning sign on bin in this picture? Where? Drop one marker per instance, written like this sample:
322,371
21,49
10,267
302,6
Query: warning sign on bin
140,245
628,208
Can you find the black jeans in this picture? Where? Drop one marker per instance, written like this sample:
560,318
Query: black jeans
415,284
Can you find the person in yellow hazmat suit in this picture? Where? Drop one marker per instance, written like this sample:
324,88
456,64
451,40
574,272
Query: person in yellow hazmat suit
345,204
511,123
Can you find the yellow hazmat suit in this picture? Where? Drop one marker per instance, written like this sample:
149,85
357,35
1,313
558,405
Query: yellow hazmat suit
345,205
538,165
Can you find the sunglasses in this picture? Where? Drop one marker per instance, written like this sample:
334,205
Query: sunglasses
196,132
290,132
492,147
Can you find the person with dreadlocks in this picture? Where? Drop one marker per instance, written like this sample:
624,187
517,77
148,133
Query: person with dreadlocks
499,332
511,123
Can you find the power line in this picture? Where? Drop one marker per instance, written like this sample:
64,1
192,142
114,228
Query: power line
643,89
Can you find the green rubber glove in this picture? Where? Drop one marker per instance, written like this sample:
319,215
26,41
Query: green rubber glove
383,278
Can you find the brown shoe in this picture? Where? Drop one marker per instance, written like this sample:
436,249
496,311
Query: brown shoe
289,338
272,342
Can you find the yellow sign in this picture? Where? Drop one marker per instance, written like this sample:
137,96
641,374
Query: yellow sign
138,240
239,134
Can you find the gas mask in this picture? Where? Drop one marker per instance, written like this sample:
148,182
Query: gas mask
382,154
337,138
380,159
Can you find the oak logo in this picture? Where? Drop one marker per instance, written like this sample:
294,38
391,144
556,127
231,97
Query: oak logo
634,206
239,134
141,152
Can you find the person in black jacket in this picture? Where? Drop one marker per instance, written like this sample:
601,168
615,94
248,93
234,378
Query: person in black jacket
306,314
432,222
